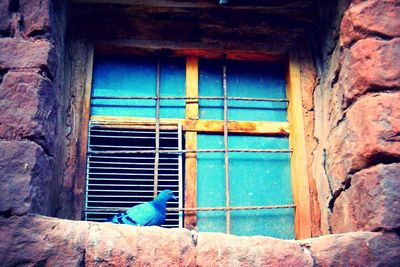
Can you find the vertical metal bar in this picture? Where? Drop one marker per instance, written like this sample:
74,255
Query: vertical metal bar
157,153
227,193
180,182
87,170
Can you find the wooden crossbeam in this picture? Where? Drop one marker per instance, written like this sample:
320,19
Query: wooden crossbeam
210,126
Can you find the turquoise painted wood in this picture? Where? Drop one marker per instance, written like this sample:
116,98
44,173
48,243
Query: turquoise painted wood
136,76
244,79
255,179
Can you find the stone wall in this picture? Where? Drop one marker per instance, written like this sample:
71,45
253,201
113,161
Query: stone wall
352,118
31,83
356,165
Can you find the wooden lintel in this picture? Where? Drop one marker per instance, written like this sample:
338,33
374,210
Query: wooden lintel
209,126
182,49
297,139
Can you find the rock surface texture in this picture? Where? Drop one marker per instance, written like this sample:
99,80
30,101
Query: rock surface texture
358,153
29,80
351,108
54,242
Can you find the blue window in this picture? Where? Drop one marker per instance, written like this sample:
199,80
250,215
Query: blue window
260,197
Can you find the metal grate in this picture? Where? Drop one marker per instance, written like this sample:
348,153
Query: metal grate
119,181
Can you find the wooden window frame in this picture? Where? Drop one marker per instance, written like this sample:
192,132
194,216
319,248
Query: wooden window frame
192,125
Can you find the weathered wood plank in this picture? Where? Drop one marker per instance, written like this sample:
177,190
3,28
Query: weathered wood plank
85,121
297,139
212,126
260,5
276,26
182,49
192,88
190,180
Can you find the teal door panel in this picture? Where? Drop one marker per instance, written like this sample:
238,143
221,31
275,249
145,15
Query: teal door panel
244,79
210,84
136,76
123,76
256,179
210,184
173,83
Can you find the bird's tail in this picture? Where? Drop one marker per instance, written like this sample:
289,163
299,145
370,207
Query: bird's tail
110,219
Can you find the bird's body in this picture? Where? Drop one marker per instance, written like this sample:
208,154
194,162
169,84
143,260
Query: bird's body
146,214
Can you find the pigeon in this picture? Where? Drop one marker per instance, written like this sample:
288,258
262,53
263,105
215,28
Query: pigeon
146,214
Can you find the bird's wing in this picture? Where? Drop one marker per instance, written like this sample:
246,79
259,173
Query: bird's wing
142,214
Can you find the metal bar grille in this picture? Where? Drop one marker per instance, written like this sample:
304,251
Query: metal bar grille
261,99
119,181
189,151
157,155
289,206
226,155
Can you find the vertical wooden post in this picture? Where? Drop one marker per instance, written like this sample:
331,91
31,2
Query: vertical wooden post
297,139
192,88
80,184
192,113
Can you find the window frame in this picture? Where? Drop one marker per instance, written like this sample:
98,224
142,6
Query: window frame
192,125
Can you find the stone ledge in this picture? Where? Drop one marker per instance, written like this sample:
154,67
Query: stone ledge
57,242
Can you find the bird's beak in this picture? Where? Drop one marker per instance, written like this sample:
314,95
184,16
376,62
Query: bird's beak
174,197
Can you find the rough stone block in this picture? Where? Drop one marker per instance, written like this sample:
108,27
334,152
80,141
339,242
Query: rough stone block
368,135
56,242
5,16
368,18
28,108
36,16
369,66
25,175
124,245
371,203
41,241
16,53
214,249
356,249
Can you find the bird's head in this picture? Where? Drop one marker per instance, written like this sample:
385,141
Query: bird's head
166,195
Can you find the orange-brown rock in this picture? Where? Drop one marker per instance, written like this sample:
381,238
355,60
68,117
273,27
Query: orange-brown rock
371,202
28,108
215,249
17,53
356,249
369,66
25,176
34,240
368,18
369,134
41,241
36,16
